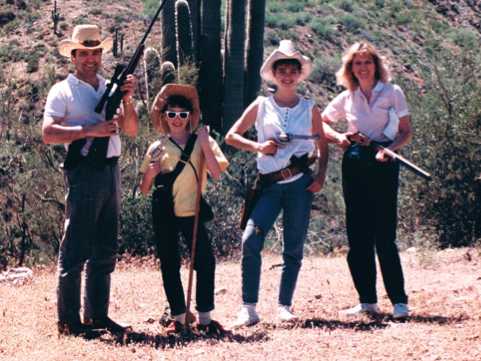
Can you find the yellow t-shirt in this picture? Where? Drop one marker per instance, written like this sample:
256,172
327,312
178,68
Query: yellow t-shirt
185,186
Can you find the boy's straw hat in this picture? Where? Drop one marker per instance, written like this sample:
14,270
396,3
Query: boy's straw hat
286,50
84,37
186,91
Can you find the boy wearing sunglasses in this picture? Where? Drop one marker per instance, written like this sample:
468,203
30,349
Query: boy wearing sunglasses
175,175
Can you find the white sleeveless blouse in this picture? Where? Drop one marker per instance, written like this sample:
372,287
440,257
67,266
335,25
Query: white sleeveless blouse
271,121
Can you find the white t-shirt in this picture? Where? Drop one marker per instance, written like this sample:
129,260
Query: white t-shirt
369,118
273,120
75,101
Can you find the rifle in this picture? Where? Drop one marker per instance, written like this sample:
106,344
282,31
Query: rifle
98,149
361,139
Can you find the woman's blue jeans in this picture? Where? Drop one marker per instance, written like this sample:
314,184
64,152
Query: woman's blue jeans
295,201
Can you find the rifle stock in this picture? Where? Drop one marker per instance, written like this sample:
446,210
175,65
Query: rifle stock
361,139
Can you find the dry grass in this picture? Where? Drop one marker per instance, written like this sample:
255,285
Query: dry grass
445,303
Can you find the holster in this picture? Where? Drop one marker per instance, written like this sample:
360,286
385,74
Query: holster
298,165
74,158
251,198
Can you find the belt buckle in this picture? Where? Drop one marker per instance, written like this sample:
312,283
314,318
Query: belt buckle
286,173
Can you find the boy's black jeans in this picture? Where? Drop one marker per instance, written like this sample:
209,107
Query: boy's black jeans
166,228
370,194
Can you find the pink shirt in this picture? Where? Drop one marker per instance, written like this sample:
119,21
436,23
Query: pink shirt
369,118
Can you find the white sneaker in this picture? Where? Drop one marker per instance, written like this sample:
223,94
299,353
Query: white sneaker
285,313
361,309
400,311
247,317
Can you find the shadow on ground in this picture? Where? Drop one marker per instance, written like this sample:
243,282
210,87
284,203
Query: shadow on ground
164,341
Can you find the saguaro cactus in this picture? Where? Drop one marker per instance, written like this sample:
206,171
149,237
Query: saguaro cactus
234,67
115,49
167,19
167,73
195,6
152,72
210,73
183,32
55,17
221,105
255,48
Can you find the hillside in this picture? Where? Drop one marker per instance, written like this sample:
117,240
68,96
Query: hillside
432,47
322,28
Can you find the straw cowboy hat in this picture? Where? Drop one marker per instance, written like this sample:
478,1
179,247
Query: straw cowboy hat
186,91
84,37
285,51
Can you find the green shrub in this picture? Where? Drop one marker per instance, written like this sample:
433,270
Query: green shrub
7,14
323,27
282,21
464,37
438,26
346,5
352,23
404,18
82,20
324,70
32,63
272,37
446,121
296,6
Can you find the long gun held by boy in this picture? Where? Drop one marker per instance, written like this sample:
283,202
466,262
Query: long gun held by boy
98,150
361,139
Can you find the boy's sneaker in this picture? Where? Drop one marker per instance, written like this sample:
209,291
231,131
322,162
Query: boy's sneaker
400,311
285,313
247,317
174,327
361,309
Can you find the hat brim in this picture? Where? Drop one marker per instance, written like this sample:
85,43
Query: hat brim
268,75
168,90
65,47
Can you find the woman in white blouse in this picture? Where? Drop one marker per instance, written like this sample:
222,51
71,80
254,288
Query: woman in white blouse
285,175
378,110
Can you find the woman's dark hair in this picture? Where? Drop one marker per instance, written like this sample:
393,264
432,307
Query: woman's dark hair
178,101
287,62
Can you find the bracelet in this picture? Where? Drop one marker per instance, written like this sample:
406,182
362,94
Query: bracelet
128,102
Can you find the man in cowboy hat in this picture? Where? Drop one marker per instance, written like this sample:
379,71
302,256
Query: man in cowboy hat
93,194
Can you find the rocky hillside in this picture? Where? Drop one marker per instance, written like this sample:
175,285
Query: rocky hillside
322,29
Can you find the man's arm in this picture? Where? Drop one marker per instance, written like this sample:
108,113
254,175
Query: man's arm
129,121
55,131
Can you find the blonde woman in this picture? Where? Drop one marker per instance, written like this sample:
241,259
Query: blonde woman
377,109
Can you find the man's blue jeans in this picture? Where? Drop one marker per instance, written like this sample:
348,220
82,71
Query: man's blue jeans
295,201
89,243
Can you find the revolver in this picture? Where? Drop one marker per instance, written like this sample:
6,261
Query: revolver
288,137
157,153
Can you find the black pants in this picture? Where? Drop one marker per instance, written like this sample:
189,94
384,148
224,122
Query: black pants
370,194
166,228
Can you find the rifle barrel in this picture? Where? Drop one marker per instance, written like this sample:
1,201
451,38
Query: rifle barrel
404,162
